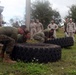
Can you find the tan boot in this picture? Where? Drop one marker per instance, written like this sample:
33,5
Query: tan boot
7,59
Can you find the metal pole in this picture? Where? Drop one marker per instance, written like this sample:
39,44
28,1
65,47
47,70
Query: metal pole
28,8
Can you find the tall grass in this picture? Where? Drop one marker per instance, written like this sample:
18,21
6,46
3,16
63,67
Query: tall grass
65,66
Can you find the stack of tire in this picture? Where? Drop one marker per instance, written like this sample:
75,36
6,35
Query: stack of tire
42,53
63,42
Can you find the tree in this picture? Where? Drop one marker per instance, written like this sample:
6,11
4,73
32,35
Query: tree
16,22
56,16
43,11
72,12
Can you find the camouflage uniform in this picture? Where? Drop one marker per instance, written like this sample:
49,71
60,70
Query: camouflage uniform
42,36
7,36
39,27
65,27
53,26
33,29
7,41
71,29
39,36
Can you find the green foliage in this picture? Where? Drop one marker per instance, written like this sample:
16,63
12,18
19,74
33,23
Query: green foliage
43,11
72,72
16,22
72,12
66,66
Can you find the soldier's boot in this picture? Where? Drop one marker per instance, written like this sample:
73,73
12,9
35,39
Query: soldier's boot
1,52
7,59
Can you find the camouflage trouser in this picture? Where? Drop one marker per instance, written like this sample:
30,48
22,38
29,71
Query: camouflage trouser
33,31
8,44
39,37
71,34
54,35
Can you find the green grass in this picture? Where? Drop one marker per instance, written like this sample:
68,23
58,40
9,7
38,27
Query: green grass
66,66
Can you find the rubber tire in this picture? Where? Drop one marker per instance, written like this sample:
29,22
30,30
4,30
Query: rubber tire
63,42
42,53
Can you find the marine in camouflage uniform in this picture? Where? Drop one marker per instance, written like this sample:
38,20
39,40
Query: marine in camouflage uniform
65,27
32,28
39,36
42,36
71,28
8,37
39,25
53,26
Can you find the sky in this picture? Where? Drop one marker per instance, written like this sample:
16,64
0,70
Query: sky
62,6
13,8
16,8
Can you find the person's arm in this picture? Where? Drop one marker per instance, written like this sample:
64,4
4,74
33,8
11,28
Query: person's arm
56,26
67,28
39,36
14,36
74,27
41,26
48,27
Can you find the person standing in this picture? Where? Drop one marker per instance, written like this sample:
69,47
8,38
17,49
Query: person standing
65,27
39,25
71,28
53,26
33,28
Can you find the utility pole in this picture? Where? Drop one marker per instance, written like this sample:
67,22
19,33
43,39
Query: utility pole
28,8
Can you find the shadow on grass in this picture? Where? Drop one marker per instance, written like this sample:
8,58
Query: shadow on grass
69,48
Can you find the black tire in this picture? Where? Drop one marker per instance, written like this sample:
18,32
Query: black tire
42,53
63,42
